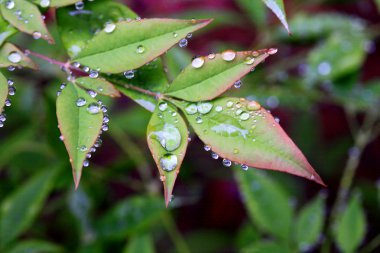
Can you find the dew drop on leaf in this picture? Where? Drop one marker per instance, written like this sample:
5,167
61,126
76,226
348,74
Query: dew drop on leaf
199,120
191,109
249,60
211,56
83,148
10,4
218,108
226,162
37,35
238,84
272,51
207,148
183,43
204,107
253,106
140,49
109,27
228,55
81,102
244,116
93,108
45,3
163,106
169,137
198,62
168,162
79,5
93,74
175,35
214,156
14,57
129,74
244,167
11,91
86,163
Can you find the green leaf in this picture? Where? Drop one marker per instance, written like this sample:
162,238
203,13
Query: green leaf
19,210
55,3
10,55
255,10
99,85
351,227
131,216
266,247
244,132
34,246
263,198
309,223
146,101
77,27
378,4
277,7
6,30
167,136
80,126
140,244
132,44
30,13
3,91
208,77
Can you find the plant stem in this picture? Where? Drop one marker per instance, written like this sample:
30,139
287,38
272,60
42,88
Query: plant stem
64,65
175,235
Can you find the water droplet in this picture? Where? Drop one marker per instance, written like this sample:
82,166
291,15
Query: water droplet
236,151
214,156
104,108
93,108
93,73
238,112
324,68
98,143
10,4
175,35
109,27
169,162
249,60
230,103
11,91
191,109
63,85
88,156
83,148
129,74
11,68
272,51
92,93
244,116
104,127
244,167
169,137
79,5
3,118
199,120
189,35
81,102
207,148
253,106
183,43
140,49
37,35
14,57
228,55
238,84
76,64
163,106
226,162
204,107
45,3
86,163
106,119
86,69
218,108
8,102
211,56
198,62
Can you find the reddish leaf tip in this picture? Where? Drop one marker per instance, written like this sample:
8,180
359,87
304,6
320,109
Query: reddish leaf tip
77,176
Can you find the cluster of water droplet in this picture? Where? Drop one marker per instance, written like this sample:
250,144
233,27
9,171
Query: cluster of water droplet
11,92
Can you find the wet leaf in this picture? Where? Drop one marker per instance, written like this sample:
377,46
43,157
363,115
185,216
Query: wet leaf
6,30
140,244
26,17
79,125
207,78
99,85
3,91
277,7
167,139
351,227
146,101
263,198
55,3
76,27
34,246
130,216
132,44
244,132
309,223
19,210
10,55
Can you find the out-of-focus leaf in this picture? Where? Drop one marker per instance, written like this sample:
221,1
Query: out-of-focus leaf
6,30
211,241
136,114
99,85
76,27
246,235
176,60
10,55
19,210
132,44
267,203
129,216
244,132
378,4
266,247
167,136
140,244
351,227
146,101
255,9
208,77
80,120
309,223
3,91
26,17
277,7
54,3
34,246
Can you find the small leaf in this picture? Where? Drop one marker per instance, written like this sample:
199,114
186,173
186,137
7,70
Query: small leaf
263,198
309,223
6,30
140,244
26,17
146,101
351,227
131,216
3,91
242,131
277,7
77,27
208,77
10,55
19,210
167,139
55,3
80,120
34,246
99,85
132,44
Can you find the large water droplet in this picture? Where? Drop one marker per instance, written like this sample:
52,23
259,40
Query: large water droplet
163,106
204,108
10,4
169,137
272,51
198,62
45,3
86,163
169,162
191,109
93,74
81,102
253,106
37,35
79,5
228,55
129,74
93,108
109,27
244,116
14,57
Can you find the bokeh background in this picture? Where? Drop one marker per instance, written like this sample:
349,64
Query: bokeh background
323,85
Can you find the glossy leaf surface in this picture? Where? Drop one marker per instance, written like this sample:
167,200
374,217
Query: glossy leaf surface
55,3
10,55
6,30
99,85
277,7
146,101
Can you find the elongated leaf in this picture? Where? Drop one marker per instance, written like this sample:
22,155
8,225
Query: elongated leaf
309,224
140,244
132,44
266,247
351,227
167,139
208,77
255,9
6,30
146,101
34,246
10,55
131,216
277,7
378,4
80,125
242,131
3,91
55,3
76,27
264,198
99,85
26,17
20,209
